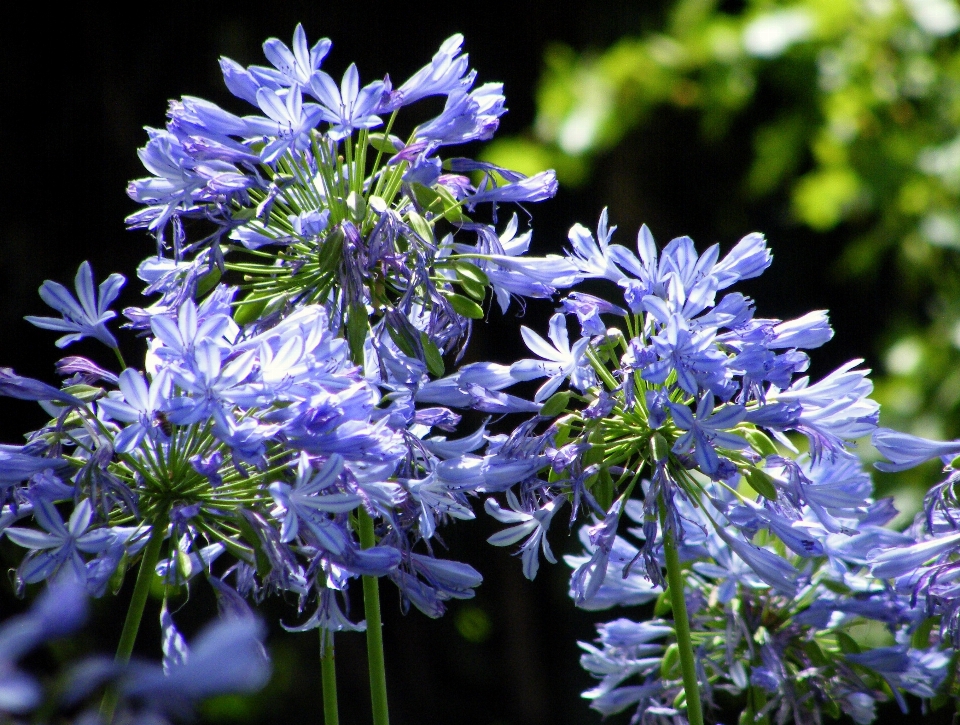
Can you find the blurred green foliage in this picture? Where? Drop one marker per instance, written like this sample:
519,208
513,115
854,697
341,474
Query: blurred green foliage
854,111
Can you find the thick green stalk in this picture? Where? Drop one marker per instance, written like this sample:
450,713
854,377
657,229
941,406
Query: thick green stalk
681,621
328,670
138,602
371,608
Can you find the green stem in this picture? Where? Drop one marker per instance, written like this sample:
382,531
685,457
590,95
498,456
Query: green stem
681,621
376,163
758,701
371,608
116,351
138,602
600,368
328,671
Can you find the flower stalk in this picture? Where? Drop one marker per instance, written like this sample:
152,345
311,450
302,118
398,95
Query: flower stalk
681,620
138,602
328,673
371,608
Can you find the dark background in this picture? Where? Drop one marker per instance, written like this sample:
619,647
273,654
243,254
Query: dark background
77,88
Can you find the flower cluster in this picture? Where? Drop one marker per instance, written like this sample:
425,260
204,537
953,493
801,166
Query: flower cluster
317,280
287,408
310,205
698,389
689,416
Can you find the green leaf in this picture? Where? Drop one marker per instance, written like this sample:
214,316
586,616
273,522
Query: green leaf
86,393
184,565
477,291
605,488
759,441
813,651
555,404
357,207
464,306
760,482
595,454
564,429
119,574
253,554
432,356
402,341
836,587
467,270
832,709
245,214
427,197
452,210
385,144
208,281
249,554
848,645
669,662
248,311
420,226
921,636
659,448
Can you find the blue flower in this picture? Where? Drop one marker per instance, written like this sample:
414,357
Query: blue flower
906,451
589,576
749,258
60,610
328,617
61,545
472,116
772,569
918,672
691,355
588,309
707,430
226,657
621,584
298,64
902,560
84,315
140,405
348,107
290,121
17,464
835,409
562,360
597,257
533,526
444,75
312,496
17,386
538,187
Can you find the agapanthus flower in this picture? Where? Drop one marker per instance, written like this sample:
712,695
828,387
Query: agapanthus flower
906,451
681,401
86,314
681,408
363,238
